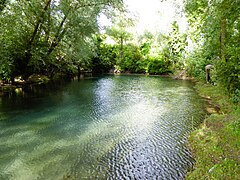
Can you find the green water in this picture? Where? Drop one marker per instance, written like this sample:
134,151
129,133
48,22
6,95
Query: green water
111,127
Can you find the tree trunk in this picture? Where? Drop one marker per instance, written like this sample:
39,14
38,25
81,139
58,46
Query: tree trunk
223,38
28,53
121,50
59,35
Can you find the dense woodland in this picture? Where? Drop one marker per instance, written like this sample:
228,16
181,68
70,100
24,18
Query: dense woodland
62,37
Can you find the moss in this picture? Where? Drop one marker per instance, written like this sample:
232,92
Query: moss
7,88
36,78
215,145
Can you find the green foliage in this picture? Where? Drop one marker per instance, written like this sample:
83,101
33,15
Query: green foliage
215,33
196,64
133,59
157,65
3,4
119,32
229,74
131,55
105,55
5,71
235,98
145,48
47,37
176,44
156,54
146,42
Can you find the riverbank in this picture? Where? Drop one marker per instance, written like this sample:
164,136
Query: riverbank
42,79
216,145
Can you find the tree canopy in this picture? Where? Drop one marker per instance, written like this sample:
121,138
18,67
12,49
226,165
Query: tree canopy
48,36
214,27
62,37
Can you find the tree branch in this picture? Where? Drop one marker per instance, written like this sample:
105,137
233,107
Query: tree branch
40,20
61,30
59,35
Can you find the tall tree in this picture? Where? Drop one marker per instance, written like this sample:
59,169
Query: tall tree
120,31
218,37
176,44
39,33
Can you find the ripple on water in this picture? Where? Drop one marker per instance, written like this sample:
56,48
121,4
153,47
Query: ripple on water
107,128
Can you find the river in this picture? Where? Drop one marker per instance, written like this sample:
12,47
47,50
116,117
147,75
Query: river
109,127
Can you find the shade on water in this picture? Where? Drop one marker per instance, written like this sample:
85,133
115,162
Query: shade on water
110,127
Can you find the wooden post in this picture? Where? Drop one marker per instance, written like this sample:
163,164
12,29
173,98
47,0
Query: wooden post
207,69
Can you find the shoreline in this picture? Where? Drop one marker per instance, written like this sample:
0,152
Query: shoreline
215,144
40,79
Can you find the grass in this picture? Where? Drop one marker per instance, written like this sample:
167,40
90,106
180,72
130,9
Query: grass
216,145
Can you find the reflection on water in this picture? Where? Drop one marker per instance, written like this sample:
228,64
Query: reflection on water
123,127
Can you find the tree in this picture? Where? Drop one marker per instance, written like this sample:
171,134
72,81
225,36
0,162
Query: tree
218,38
119,31
176,44
105,55
146,41
41,35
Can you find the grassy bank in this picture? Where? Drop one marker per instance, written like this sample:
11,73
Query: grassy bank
216,145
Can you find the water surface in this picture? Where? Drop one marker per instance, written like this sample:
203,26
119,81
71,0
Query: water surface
112,127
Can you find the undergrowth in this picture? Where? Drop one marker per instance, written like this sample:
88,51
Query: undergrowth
216,145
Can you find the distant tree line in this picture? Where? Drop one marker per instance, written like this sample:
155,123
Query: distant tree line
62,37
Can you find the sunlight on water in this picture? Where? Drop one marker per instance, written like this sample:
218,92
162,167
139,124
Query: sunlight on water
111,127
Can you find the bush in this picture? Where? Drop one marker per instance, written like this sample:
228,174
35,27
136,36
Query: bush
105,59
196,63
228,73
157,65
131,58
